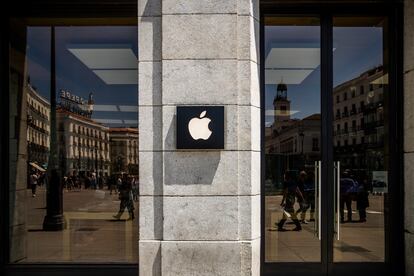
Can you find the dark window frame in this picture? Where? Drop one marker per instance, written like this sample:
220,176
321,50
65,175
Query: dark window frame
120,10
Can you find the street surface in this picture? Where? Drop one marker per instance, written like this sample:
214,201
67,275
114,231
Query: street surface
359,241
91,235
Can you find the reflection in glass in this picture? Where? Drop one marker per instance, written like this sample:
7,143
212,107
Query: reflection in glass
292,139
360,133
74,144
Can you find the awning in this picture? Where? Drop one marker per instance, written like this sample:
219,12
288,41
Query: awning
36,166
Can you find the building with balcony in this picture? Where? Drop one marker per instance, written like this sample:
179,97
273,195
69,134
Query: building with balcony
359,119
124,150
38,127
83,144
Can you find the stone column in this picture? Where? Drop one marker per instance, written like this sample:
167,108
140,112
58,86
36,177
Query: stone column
409,134
199,210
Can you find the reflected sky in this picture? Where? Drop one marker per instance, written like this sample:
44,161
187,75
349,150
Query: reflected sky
356,50
115,89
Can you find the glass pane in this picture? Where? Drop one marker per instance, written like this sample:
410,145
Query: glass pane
360,137
74,143
292,139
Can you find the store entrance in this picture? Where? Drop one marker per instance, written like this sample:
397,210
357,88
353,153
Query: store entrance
326,144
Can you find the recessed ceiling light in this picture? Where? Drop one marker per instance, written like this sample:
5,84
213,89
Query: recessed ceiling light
105,58
118,76
275,76
295,58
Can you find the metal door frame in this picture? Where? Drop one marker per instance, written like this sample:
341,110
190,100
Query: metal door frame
393,10
47,11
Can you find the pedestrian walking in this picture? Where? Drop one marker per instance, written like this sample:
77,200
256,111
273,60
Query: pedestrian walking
290,191
308,192
125,195
33,182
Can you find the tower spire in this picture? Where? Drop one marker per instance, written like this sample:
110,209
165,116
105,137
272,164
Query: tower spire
281,103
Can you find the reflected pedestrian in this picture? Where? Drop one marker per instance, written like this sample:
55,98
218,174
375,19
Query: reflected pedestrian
125,195
68,182
309,196
33,182
362,199
348,187
290,191
87,181
112,184
100,181
93,181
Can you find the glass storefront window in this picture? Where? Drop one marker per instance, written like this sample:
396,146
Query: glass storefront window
73,143
292,139
362,153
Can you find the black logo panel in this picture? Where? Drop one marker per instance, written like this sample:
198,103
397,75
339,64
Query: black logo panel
200,127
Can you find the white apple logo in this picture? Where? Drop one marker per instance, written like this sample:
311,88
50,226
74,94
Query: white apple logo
198,127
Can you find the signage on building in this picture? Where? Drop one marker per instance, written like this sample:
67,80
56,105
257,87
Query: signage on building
200,127
71,97
76,104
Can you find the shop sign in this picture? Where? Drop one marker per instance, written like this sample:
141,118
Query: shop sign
76,104
71,97
200,127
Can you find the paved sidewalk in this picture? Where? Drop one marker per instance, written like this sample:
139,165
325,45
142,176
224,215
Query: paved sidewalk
92,234
359,242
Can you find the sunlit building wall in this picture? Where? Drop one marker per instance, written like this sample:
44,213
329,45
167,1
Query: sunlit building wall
38,126
124,150
83,144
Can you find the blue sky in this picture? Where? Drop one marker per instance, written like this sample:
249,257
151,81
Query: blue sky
75,76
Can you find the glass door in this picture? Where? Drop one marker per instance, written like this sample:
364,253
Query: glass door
327,159
293,141
360,138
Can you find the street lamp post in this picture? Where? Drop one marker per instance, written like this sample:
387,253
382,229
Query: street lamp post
54,219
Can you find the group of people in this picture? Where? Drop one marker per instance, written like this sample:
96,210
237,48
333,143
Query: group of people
122,184
301,189
99,181
125,186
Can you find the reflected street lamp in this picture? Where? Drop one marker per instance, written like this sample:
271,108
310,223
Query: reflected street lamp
54,219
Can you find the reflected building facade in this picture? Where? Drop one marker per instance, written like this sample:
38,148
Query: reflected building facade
124,150
359,121
290,143
83,142
38,126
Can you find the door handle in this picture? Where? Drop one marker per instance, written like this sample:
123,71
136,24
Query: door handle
317,190
337,169
319,199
